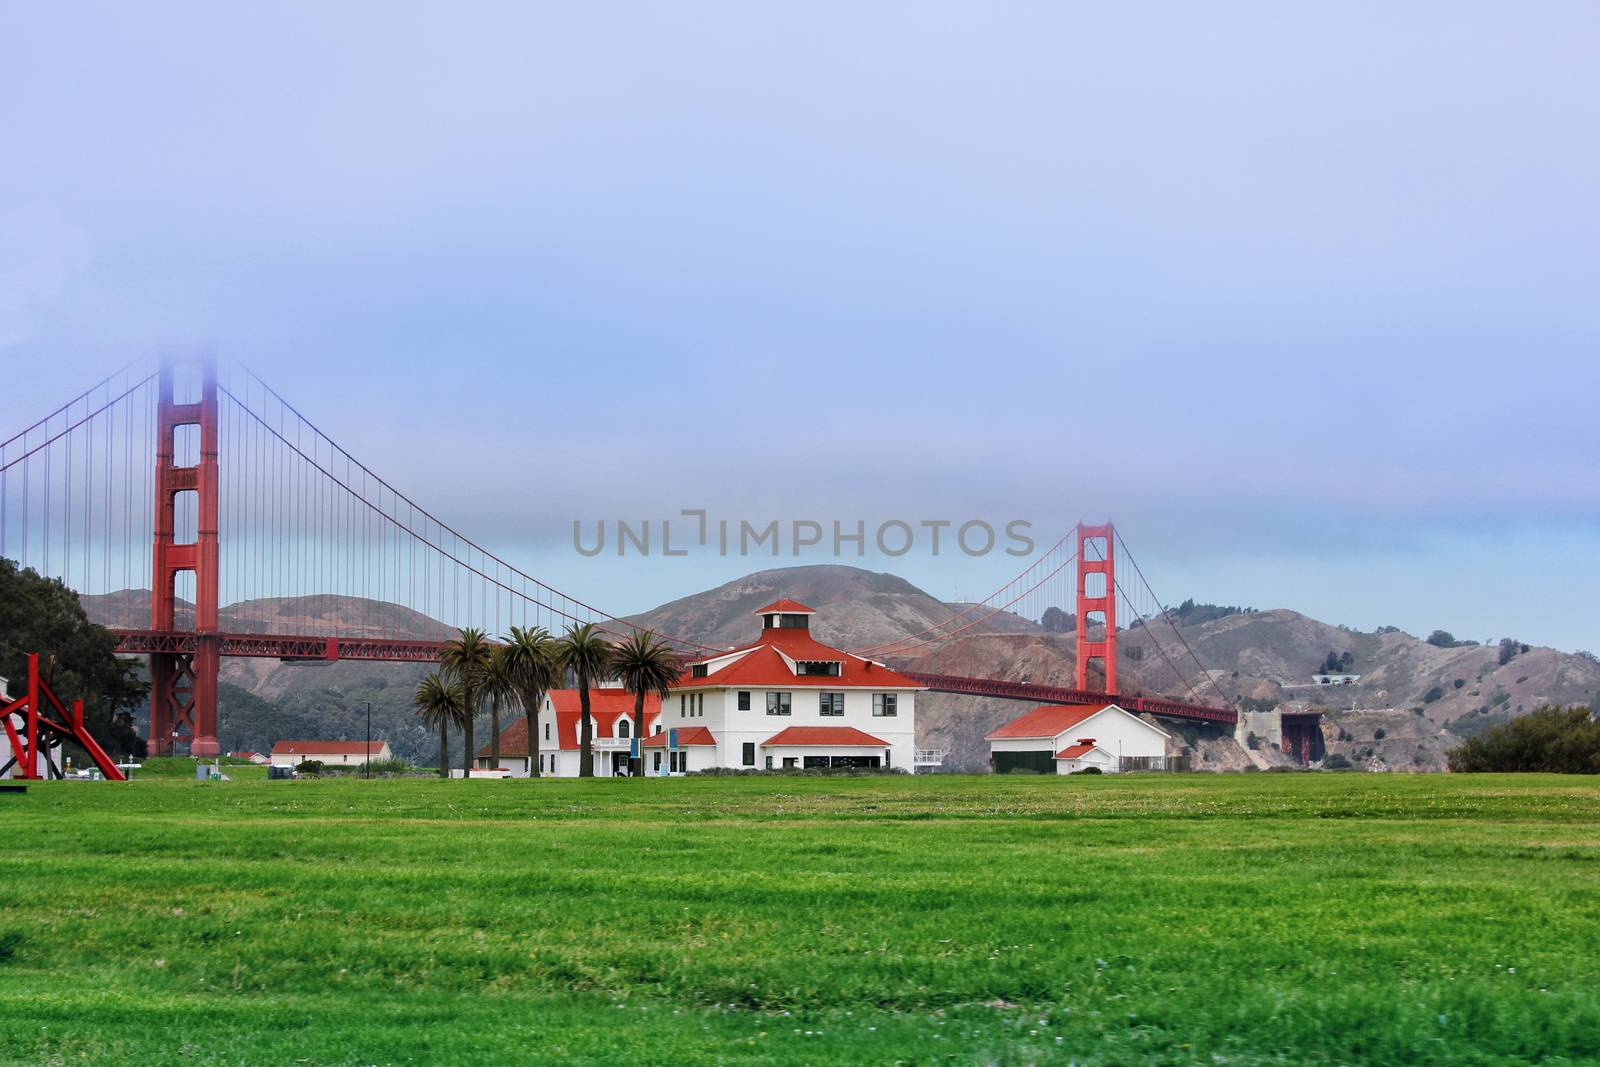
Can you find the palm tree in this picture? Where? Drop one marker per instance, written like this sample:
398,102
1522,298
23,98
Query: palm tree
585,653
500,692
529,662
645,665
441,703
467,660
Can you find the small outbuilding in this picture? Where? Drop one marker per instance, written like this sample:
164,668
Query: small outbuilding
1062,739
330,753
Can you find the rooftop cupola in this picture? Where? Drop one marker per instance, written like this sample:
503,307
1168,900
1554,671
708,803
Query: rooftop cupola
785,615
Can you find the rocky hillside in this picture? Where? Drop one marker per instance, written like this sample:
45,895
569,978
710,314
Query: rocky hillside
1413,702
855,608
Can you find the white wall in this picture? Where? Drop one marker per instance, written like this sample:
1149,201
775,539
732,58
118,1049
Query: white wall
733,728
1092,758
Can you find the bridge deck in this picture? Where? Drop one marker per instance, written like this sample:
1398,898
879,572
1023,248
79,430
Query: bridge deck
1050,694
392,650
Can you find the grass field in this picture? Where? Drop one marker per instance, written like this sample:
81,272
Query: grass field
1204,919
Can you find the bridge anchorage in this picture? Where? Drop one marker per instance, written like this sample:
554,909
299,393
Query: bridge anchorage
254,518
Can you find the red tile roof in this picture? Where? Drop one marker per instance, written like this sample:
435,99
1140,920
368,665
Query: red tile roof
761,664
785,607
1048,721
839,736
1074,751
327,748
606,706
687,735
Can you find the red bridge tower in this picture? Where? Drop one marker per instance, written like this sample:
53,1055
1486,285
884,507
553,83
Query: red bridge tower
1097,539
183,686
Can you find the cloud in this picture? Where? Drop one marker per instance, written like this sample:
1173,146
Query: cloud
40,252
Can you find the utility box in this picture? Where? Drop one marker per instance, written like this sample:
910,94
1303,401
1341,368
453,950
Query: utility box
275,774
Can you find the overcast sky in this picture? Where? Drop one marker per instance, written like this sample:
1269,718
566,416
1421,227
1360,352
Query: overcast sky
1305,296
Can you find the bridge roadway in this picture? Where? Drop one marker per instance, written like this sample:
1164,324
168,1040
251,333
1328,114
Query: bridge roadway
395,650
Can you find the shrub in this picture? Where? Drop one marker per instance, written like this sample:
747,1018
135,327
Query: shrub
1252,741
1336,762
390,766
1379,734
1560,740
1090,770
1508,649
1056,621
1459,683
1431,695
1442,639
1416,711
1524,678
311,768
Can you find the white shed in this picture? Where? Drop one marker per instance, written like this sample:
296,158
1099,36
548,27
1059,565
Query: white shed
1100,735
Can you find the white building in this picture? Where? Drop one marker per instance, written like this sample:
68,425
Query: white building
611,715
1062,739
329,753
789,701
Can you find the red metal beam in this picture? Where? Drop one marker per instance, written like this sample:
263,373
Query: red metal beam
1051,694
28,749
280,646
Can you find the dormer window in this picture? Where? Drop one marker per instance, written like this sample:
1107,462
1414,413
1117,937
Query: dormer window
699,670
828,668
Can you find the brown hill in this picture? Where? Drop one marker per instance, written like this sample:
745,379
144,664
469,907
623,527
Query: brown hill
1422,699
855,608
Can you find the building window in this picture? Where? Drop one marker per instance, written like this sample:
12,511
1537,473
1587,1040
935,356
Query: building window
769,763
825,667
622,727
656,766
778,703
700,704
749,753
830,703
883,704
657,730
699,670
547,731
744,700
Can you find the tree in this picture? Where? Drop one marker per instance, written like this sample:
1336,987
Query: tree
529,663
1442,639
645,665
500,692
1555,739
1056,621
1509,647
42,615
585,653
467,660
442,704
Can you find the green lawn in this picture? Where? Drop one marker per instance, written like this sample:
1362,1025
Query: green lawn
1184,919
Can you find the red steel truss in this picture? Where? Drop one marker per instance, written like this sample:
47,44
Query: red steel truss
1051,694
31,737
278,646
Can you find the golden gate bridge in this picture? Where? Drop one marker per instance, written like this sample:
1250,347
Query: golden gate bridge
202,515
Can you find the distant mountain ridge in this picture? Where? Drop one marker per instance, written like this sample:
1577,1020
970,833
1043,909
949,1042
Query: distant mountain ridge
1413,702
